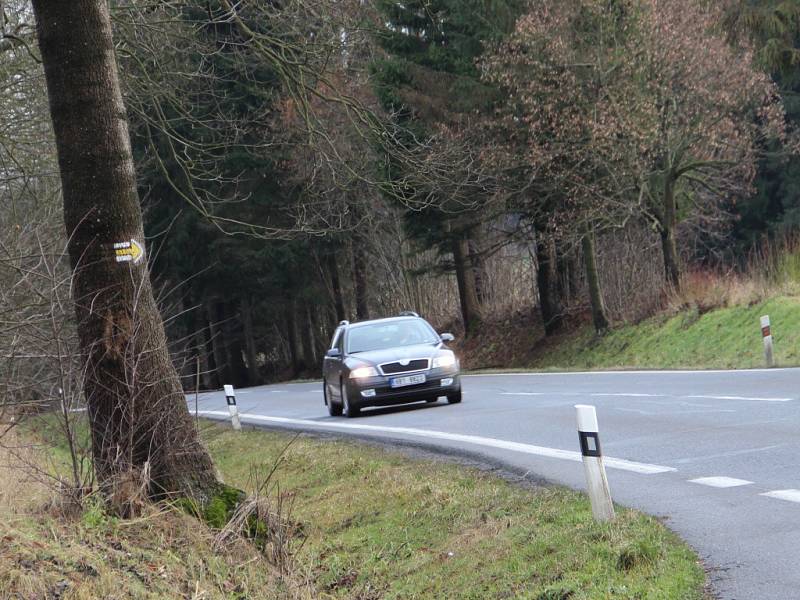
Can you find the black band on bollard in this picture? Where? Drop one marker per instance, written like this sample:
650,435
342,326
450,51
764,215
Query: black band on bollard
590,443
231,400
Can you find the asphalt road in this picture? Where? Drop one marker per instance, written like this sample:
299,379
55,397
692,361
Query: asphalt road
715,453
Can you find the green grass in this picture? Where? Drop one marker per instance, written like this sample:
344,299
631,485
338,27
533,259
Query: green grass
382,526
721,338
375,525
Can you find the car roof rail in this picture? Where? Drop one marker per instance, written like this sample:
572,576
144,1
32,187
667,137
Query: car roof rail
408,313
345,322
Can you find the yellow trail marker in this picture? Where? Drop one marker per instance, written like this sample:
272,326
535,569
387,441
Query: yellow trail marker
131,251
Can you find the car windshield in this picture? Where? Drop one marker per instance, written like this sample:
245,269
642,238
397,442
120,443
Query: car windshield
390,335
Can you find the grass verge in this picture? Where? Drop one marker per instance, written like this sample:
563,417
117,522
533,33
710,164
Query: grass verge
375,525
720,338
693,338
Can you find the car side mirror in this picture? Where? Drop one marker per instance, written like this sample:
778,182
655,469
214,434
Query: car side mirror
333,353
447,337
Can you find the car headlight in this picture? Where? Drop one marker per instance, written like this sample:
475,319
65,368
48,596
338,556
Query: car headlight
445,360
363,372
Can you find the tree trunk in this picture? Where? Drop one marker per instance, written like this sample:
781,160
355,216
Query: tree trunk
234,352
599,317
316,333
570,268
307,338
360,279
336,286
668,244
253,374
210,375
223,369
291,331
470,307
478,264
139,419
547,283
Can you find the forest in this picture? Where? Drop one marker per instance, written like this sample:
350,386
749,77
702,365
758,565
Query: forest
549,164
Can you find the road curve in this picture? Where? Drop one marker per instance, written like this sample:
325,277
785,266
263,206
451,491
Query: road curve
715,453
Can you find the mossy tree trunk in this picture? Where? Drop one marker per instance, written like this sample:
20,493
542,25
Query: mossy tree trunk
138,414
668,243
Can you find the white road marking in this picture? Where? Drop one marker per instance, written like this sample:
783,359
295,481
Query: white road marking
692,459
789,495
612,463
631,372
721,482
651,413
633,395
540,394
741,398
637,395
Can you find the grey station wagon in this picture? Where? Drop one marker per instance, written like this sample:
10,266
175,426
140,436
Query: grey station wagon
388,361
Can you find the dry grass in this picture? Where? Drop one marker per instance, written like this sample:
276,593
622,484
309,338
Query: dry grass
163,554
707,290
20,489
49,553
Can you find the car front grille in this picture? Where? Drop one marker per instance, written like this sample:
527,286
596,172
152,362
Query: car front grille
395,368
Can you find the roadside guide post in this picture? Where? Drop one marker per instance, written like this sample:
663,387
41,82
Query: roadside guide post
766,333
596,481
230,397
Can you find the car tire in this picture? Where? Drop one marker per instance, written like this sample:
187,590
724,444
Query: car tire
348,410
454,398
334,410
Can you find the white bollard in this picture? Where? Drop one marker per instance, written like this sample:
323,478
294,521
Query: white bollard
766,333
596,481
230,396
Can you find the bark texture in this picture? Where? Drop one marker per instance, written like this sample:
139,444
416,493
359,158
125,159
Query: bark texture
668,244
478,264
295,353
547,283
336,288
222,368
234,350
139,419
599,313
210,374
360,279
467,293
253,374
307,337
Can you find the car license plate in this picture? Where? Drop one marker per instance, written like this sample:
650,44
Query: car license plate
404,381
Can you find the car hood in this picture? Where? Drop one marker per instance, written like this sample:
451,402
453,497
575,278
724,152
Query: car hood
377,357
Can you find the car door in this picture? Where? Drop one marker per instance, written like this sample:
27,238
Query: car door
332,366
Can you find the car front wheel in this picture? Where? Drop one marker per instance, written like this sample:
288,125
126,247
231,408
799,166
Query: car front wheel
334,410
348,410
454,398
